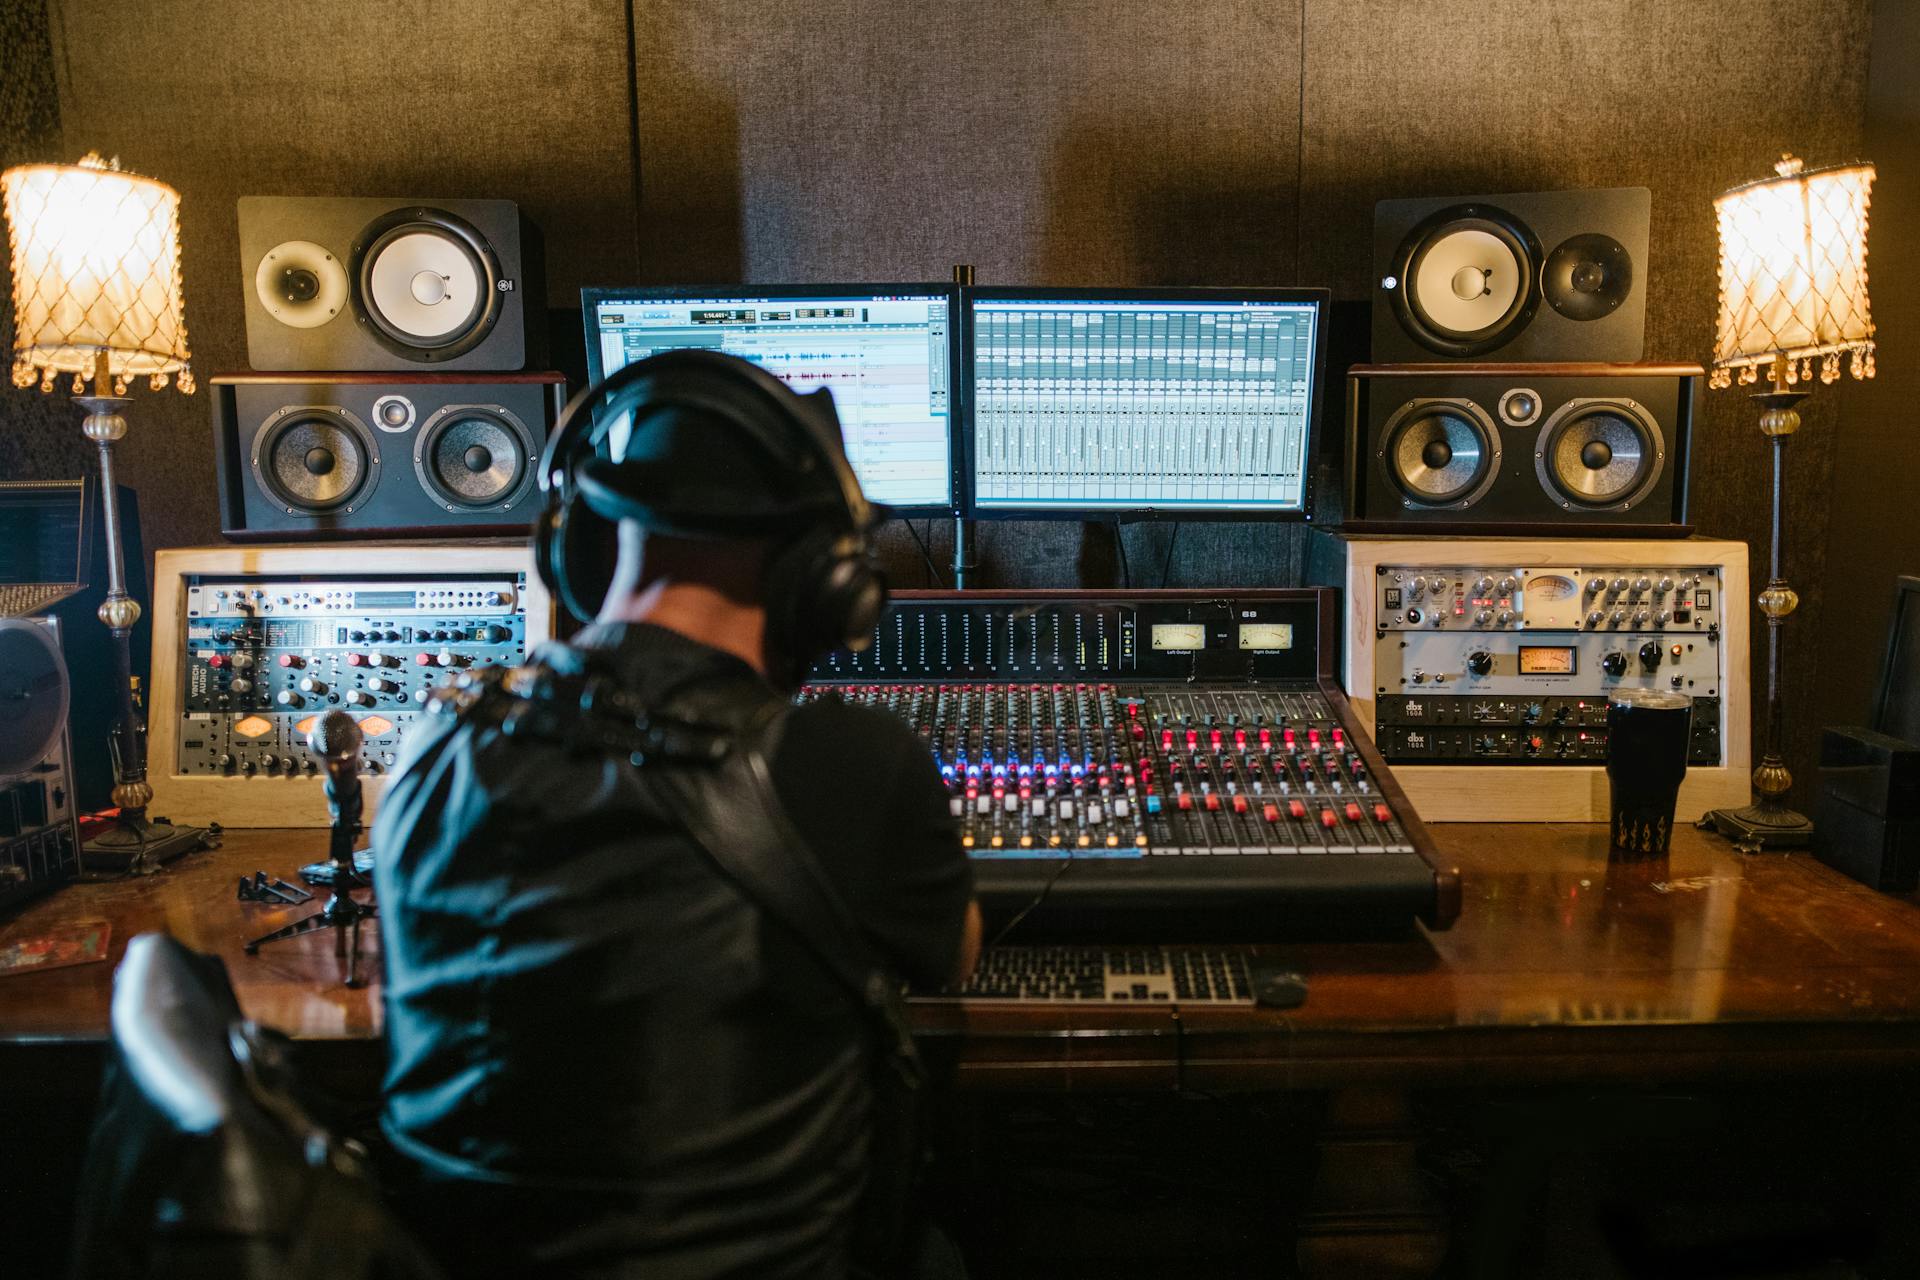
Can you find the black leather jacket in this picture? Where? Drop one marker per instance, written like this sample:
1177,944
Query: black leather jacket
605,1059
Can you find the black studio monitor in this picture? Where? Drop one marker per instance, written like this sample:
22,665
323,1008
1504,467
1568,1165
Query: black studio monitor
1548,276
343,283
1547,449
348,455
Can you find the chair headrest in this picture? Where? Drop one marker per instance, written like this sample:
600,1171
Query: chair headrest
171,1012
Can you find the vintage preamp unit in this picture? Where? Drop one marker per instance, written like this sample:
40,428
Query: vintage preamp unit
1481,667
252,644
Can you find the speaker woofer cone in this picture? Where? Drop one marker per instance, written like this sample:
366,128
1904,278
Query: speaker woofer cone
313,460
426,283
1468,279
474,457
1599,452
1441,452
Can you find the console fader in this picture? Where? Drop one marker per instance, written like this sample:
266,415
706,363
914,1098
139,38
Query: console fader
1186,752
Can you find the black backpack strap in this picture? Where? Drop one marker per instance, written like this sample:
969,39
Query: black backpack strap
756,845
715,763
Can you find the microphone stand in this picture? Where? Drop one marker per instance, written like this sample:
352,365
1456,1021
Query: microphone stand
336,740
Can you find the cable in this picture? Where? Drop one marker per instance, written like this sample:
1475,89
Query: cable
1166,565
1027,910
926,554
1120,545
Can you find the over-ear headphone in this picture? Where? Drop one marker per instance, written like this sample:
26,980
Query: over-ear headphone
823,589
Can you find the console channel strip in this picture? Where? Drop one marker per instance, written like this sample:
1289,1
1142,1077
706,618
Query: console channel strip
1151,763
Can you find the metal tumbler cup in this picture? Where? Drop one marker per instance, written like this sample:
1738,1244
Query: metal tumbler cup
1647,733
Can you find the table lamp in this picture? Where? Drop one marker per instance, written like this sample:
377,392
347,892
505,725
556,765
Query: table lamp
96,293
1793,296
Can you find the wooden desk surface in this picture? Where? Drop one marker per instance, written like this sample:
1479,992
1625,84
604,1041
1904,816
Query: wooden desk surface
1561,967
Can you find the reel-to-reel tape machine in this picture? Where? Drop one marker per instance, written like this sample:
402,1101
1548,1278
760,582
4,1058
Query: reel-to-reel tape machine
39,839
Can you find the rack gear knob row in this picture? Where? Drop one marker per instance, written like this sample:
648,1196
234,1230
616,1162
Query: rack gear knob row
252,646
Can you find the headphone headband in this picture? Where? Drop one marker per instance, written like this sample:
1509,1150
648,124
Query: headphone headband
585,412
821,585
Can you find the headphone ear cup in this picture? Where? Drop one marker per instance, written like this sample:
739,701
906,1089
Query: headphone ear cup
575,553
824,591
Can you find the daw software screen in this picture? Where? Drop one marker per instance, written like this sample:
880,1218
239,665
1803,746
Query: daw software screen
886,357
1113,404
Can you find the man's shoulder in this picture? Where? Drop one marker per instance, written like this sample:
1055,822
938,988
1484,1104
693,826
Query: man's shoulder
851,728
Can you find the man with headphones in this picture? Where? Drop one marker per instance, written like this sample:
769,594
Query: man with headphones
643,920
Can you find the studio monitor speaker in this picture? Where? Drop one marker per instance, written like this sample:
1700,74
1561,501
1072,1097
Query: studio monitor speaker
368,455
340,283
1519,448
1550,276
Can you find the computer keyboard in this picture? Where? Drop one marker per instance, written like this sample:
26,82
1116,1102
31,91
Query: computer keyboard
1110,975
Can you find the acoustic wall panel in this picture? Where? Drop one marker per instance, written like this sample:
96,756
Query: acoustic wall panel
224,98
1072,143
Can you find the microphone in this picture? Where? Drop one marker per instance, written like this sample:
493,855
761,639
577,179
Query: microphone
336,740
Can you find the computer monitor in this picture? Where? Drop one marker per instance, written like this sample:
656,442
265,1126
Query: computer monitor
1187,403
886,351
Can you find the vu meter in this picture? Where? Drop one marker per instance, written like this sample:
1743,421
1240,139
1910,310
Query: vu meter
1180,636
1542,660
1266,635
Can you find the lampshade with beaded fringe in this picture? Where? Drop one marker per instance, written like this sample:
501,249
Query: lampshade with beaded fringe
1793,274
96,270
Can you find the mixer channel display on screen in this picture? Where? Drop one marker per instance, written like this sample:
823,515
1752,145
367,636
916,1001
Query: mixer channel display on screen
1117,404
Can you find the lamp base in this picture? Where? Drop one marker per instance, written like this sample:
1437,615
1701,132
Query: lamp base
136,846
1760,828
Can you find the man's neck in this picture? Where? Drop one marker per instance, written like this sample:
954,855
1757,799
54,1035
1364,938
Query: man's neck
700,613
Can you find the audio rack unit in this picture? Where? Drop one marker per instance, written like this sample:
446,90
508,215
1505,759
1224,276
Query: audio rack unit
251,644
1481,667
1166,765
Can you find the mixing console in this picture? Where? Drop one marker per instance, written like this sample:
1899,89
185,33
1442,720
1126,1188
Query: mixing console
1186,752
1105,770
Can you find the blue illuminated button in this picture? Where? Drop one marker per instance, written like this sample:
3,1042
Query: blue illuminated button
1153,804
